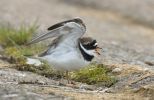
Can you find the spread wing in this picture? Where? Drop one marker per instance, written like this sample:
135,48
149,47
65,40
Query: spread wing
67,33
69,29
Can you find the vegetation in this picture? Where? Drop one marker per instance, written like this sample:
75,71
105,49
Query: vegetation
94,74
44,69
10,36
13,41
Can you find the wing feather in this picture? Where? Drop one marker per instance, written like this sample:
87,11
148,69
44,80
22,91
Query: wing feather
67,33
67,29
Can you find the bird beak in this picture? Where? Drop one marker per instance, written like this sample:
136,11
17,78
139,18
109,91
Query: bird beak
98,50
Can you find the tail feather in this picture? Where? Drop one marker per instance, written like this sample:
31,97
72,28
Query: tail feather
33,61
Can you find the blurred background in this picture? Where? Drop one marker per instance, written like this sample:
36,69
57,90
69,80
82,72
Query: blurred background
124,28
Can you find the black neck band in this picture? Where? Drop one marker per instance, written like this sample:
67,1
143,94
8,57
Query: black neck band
86,56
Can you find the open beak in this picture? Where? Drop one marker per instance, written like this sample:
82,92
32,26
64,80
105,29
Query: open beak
98,50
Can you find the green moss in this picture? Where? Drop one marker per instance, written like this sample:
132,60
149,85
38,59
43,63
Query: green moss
44,69
13,41
94,74
24,50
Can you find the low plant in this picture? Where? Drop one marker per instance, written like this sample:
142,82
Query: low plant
94,74
13,41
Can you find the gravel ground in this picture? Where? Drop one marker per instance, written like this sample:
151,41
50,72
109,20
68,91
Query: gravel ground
124,30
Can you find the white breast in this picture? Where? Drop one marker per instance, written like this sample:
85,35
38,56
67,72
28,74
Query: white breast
66,60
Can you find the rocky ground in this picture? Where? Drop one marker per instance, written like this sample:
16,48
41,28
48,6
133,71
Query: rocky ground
124,30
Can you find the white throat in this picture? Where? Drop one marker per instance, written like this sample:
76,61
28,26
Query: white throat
89,52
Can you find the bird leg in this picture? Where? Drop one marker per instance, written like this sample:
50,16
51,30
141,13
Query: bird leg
70,83
67,77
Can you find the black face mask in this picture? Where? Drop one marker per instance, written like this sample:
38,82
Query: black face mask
91,45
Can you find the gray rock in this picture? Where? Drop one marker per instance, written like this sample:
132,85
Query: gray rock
149,60
140,11
117,70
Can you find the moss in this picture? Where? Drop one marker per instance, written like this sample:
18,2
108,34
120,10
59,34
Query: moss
13,41
44,69
94,74
15,55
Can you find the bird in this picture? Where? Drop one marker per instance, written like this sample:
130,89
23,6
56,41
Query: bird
69,50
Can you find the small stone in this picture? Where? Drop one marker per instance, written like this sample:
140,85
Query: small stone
87,87
117,70
146,69
149,61
35,62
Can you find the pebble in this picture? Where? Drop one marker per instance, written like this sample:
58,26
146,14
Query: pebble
116,70
149,60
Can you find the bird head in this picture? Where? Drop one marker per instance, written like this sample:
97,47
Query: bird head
90,46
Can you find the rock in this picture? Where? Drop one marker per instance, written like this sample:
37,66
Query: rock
87,87
32,61
117,70
147,91
138,11
17,85
149,60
